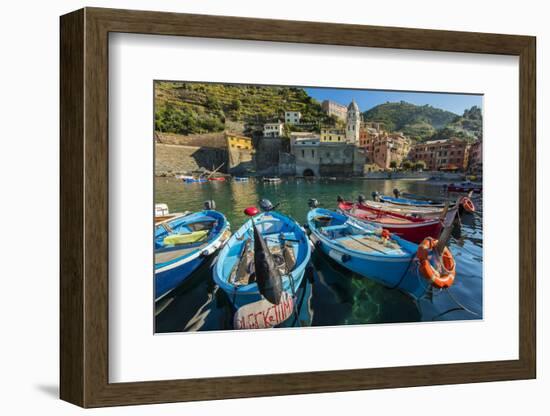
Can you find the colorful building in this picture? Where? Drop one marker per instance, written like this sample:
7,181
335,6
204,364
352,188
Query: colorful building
450,154
329,135
383,148
235,141
332,108
475,158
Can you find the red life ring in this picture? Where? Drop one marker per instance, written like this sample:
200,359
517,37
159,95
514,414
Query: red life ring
439,280
468,205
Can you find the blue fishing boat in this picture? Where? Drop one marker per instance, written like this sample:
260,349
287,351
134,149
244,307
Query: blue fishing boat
240,179
411,202
194,180
373,252
285,249
183,243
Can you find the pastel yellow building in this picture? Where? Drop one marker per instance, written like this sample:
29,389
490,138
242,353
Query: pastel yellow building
235,141
333,136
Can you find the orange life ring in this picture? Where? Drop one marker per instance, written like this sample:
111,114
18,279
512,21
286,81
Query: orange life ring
439,280
468,204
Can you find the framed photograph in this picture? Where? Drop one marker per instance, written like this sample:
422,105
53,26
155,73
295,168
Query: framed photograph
255,207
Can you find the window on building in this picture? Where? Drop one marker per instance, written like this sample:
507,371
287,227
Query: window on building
303,153
312,153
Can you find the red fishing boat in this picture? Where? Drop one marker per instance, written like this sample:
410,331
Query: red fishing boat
217,178
405,226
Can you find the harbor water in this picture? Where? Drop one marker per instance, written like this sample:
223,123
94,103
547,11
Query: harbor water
329,295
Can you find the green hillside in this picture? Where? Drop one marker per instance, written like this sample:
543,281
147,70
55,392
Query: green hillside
190,108
468,126
418,122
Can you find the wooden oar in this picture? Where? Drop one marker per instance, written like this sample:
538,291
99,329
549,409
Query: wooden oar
215,170
244,251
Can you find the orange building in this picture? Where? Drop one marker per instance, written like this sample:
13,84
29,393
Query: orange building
383,148
449,154
475,158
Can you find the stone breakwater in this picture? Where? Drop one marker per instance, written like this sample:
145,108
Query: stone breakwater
172,159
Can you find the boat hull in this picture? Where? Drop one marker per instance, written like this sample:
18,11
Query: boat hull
172,273
187,180
396,272
168,279
411,229
463,189
419,212
271,223
411,202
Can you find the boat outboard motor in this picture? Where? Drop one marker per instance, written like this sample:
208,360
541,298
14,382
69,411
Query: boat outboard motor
361,199
397,193
210,204
268,278
312,203
375,196
266,205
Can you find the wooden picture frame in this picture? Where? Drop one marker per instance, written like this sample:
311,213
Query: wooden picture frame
84,207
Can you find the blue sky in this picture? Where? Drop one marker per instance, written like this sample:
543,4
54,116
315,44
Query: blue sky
367,99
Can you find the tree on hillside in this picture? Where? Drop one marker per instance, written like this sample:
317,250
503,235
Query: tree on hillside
393,164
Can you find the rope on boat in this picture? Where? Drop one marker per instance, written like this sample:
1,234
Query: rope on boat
404,274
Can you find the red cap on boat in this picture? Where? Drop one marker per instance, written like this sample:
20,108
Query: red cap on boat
251,211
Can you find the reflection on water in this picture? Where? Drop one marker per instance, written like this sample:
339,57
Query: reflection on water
329,295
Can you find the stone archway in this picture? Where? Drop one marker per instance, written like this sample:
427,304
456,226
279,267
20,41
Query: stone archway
308,173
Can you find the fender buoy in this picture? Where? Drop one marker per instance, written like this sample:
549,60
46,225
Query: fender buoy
468,205
385,234
439,280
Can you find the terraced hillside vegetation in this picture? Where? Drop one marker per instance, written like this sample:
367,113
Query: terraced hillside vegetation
194,108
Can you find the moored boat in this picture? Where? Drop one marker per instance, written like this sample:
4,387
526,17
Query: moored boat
261,267
217,179
271,179
464,203
183,243
411,202
464,187
409,210
162,213
375,253
240,179
405,226
192,179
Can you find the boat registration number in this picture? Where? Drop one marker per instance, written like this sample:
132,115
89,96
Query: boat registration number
263,314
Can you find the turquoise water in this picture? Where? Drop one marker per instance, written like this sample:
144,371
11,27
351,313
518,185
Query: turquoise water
330,295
